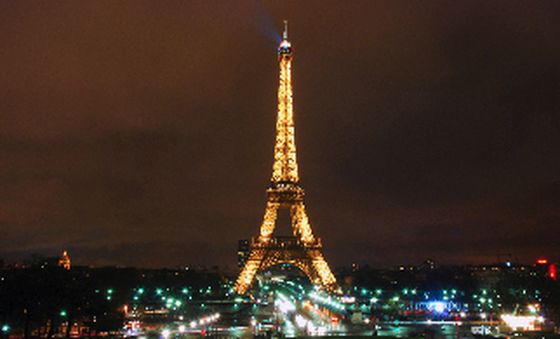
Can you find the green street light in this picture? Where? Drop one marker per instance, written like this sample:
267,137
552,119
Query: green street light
63,313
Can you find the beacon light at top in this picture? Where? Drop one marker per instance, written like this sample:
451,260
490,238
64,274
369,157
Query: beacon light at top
285,47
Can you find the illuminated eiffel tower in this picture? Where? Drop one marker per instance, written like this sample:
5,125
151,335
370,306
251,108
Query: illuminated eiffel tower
302,249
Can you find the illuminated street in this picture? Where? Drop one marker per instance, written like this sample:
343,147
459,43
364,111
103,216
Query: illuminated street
284,308
393,303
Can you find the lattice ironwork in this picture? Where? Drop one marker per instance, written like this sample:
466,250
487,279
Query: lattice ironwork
302,250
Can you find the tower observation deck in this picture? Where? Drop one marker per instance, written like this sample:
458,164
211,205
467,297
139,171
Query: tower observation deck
302,249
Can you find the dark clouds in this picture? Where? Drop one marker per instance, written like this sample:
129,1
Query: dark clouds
141,133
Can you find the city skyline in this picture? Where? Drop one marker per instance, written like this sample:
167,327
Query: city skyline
141,134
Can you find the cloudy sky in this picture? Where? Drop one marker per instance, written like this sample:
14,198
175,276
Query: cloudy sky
141,132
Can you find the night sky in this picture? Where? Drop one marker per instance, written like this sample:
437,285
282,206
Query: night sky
140,133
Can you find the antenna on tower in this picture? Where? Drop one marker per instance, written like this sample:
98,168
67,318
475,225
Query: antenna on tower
285,29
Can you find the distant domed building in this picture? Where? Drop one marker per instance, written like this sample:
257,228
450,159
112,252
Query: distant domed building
64,261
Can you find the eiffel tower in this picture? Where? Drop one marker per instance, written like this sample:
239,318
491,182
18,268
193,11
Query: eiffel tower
302,249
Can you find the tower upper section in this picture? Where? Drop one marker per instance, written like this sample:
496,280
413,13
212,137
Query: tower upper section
285,168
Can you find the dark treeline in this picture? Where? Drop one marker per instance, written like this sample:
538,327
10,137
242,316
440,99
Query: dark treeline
40,300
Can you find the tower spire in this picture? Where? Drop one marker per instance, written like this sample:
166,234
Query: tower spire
284,169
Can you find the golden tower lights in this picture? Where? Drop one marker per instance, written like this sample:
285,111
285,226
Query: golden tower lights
302,250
